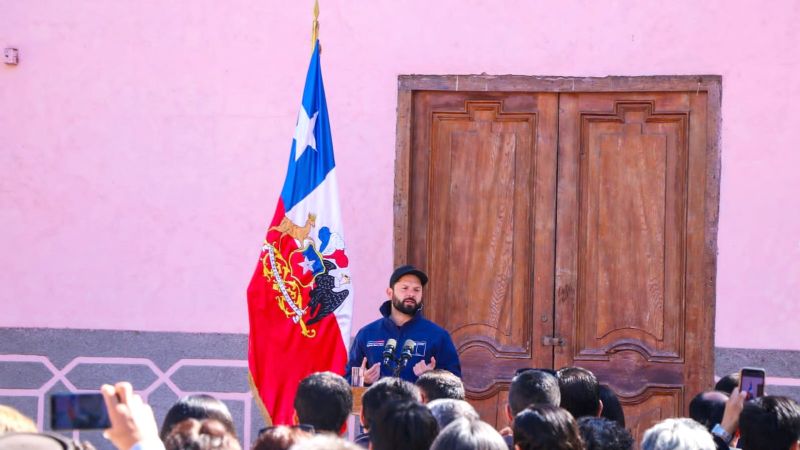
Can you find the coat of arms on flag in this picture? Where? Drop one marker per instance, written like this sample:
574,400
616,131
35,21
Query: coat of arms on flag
300,299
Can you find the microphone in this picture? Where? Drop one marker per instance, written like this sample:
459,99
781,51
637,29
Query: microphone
407,352
388,351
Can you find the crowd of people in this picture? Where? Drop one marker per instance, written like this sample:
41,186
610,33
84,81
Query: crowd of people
555,410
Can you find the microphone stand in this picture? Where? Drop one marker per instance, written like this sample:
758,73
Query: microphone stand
401,364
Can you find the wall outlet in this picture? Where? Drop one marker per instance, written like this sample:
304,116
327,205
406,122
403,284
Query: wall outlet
11,56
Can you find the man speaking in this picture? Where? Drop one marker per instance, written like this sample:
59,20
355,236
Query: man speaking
403,343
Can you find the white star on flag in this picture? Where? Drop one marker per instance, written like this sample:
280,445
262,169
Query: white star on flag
304,133
307,265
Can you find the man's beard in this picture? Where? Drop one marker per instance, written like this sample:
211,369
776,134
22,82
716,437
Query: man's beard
400,305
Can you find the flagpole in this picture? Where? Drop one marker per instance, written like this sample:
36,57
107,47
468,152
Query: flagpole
315,25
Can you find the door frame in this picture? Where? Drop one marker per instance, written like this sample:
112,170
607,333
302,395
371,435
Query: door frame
710,84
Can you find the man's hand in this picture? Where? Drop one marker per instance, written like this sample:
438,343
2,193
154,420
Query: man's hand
421,367
131,419
372,374
733,407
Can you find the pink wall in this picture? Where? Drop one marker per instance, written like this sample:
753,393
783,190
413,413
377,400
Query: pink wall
144,143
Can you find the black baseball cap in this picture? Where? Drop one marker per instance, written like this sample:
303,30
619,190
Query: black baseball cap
407,269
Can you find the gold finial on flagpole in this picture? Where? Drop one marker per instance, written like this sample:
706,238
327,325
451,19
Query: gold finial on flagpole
315,25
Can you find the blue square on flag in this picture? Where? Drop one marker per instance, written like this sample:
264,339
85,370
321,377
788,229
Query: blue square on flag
312,261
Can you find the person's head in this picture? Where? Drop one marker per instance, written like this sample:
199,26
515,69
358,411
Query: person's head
546,427
446,410
403,425
612,408
280,437
529,387
405,289
440,383
542,369
326,442
464,434
12,420
197,407
599,433
24,440
193,434
727,383
707,408
383,391
323,400
678,434
580,392
770,423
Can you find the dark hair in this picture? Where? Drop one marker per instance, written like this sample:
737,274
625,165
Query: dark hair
707,408
385,390
580,391
280,438
612,408
541,369
403,425
769,423
464,434
192,434
727,383
546,427
599,433
197,407
533,386
439,383
323,400
447,410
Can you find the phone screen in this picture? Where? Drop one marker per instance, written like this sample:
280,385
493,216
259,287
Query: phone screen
752,382
78,411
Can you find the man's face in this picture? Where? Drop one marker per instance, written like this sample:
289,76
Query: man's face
406,294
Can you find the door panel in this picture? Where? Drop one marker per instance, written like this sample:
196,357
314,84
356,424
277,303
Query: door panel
492,408
626,193
482,225
632,210
649,407
585,216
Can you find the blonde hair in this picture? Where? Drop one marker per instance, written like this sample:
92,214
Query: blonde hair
12,420
325,442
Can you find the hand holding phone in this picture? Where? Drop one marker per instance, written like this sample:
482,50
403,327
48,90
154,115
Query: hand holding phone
733,408
132,420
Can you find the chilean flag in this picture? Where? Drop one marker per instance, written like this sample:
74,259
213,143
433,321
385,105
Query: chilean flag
300,299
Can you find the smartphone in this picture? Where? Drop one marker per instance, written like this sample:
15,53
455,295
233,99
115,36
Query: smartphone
752,381
69,411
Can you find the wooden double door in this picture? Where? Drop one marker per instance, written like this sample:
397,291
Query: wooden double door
562,227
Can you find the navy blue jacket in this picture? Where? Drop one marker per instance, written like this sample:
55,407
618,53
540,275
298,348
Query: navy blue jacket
430,339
